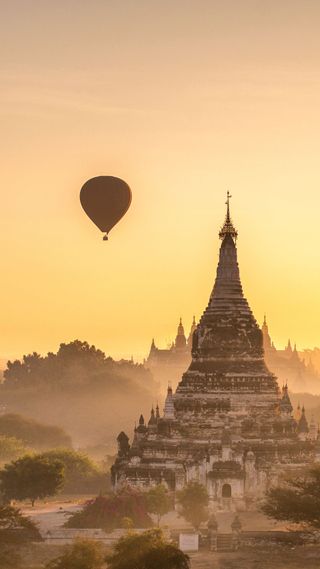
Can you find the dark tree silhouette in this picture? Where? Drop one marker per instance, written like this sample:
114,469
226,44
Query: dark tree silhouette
76,363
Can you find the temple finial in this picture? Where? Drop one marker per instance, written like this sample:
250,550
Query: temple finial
228,205
228,228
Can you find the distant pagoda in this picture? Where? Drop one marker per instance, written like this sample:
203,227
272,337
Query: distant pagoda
227,425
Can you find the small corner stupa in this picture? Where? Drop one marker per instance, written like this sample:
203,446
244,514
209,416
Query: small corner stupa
228,425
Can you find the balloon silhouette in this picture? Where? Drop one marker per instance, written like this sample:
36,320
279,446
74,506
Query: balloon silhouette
105,199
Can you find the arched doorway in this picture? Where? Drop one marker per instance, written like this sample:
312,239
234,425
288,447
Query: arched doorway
226,491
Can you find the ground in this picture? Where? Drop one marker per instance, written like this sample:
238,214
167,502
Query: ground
54,513
260,558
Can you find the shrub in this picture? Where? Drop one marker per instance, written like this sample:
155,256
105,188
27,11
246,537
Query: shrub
107,512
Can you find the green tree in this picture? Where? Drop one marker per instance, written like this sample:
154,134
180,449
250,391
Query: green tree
159,502
10,448
83,554
148,550
296,500
193,501
81,473
31,478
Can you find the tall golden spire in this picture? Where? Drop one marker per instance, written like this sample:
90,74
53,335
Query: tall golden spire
228,228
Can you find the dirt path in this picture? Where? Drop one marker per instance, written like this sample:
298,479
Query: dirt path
52,514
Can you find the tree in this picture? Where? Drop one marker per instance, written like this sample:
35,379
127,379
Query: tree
31,478
81,473
193,501
159,502
297,500
107,512
83,554
148,550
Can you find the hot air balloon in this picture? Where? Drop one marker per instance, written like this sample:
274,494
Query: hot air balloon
105,199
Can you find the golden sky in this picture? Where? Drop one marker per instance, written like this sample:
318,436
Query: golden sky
183,99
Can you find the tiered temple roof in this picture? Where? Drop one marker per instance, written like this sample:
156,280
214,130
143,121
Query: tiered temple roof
227,424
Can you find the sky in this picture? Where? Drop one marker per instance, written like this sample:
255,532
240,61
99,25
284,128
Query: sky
184,100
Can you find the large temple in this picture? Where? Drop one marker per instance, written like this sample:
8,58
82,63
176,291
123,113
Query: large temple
227,425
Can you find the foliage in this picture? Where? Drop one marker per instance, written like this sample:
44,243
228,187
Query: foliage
32,433
76,363
148,550
193,501
126,523
159,502
14,529
297,500
82,475
83,554
12,518
107,512
31,477
10,448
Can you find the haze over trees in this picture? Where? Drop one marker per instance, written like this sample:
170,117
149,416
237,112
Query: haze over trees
10,449
32,433
80,389
297,500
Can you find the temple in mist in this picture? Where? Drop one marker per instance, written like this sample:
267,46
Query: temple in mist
227,425
289,365
168,364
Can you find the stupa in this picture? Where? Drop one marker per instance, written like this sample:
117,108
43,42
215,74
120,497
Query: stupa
228,425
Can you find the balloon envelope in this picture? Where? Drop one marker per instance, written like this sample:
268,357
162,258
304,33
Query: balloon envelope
105,199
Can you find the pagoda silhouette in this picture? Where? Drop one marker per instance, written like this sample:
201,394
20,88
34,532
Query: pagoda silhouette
228,425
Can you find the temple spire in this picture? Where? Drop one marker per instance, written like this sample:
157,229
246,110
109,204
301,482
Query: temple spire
228,228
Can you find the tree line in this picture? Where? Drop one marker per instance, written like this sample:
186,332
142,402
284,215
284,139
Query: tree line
75,364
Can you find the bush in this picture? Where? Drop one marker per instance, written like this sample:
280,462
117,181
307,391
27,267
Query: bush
107,512
15,527
83,554
148,550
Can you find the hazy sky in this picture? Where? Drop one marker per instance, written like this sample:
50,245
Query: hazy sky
184,100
